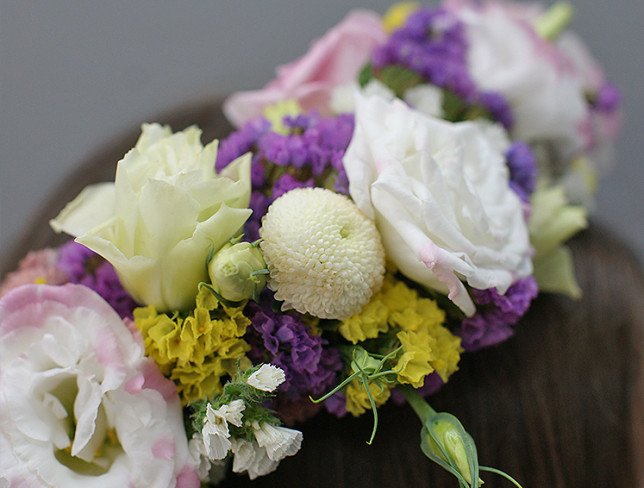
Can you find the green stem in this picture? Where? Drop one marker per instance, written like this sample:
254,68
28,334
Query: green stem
501,473
417,402
337,388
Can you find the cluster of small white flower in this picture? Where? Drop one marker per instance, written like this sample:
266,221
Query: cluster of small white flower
259,456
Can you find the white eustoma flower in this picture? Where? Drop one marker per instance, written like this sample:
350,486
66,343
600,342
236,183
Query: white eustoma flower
163,214
215,433
425,98
440,198
80,405
266,378
507,56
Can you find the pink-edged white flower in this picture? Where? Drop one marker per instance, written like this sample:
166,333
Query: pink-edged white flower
440,197
507,56
215,433
267,378
333,60
80,405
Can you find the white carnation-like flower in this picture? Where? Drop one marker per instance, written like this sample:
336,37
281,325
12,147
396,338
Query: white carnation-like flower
278,441
267,378
324,256
440,197
215,433
80,405
262,456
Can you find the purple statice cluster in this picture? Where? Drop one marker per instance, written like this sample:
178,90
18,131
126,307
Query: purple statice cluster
433,44
309,154
523,170
283,339
496,314
85,267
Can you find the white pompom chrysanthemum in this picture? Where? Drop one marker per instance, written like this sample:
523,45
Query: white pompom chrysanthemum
325,257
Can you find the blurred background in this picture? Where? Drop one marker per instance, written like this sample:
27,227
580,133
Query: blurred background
75,74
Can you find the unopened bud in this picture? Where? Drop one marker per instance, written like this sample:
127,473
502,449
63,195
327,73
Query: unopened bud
238,271
444,439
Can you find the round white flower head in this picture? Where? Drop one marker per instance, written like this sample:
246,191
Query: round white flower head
324,256
440,197
80,406
266,378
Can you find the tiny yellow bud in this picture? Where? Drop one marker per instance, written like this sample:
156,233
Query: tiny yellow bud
397,15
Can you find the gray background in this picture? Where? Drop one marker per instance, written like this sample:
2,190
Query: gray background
75,74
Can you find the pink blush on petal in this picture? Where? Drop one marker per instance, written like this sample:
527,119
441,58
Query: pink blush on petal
163,449
153,379
188,478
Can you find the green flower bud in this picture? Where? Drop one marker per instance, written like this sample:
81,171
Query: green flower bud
363,361
238,271
445,441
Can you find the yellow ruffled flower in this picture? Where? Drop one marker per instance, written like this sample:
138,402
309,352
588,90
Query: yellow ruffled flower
427,345
196,351
416,360
358,400
397,15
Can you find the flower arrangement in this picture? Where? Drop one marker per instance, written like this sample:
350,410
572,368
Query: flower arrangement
392,200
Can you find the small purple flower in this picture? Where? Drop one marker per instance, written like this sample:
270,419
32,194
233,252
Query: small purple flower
608,98
432,43
85,267
498,107
283,339
496,314
523,169
336,404
311,154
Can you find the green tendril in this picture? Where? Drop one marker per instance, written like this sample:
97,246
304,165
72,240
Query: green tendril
502,474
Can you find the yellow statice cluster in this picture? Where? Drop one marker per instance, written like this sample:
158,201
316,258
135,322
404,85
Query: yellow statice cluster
198,350
427,345
358,400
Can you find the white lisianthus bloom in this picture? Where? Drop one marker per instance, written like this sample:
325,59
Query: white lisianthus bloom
440,198
267,378
425,98
507,56
166,209
215,433
80,405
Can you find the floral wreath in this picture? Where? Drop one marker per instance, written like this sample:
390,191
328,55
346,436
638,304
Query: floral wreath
394,199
